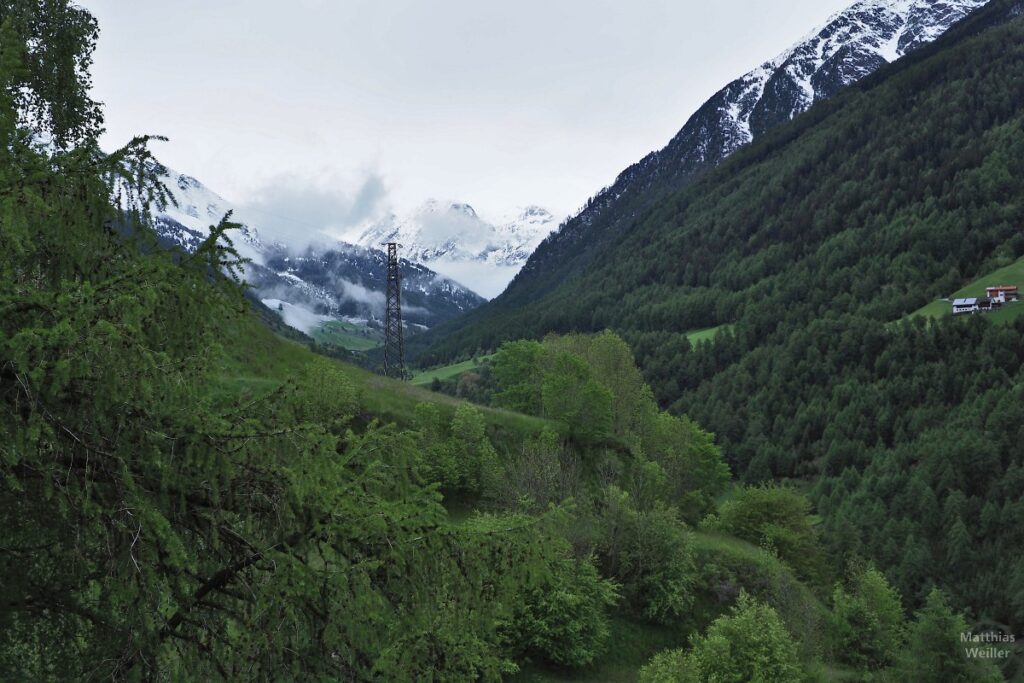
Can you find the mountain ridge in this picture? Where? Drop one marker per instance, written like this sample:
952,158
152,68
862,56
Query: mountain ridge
319,282
802,249
827,58
453,239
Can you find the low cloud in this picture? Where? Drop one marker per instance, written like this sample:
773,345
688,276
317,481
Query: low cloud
301,211
353,291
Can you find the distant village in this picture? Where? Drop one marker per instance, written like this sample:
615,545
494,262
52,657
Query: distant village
994,299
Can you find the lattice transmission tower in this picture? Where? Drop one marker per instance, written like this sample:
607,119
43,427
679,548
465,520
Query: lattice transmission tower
394,339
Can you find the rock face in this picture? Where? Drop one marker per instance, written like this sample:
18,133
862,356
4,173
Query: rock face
852,44
335,281
451,238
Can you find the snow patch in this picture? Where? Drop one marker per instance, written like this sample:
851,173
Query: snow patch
452,239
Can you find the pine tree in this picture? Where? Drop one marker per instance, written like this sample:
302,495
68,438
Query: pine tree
868,622
935,652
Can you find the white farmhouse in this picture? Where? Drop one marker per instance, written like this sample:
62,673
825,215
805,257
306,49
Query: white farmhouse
961,306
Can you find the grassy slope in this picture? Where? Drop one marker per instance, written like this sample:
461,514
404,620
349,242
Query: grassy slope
707,334
257,361
634,642
425,377
1012,274
347,336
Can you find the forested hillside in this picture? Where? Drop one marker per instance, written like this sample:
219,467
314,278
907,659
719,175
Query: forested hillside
853,44
186,496
807,246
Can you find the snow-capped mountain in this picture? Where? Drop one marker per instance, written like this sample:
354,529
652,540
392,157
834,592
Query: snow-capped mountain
455,241
311,285
348,282
186,222
851,45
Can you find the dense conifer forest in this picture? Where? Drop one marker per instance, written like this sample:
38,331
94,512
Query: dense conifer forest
185,495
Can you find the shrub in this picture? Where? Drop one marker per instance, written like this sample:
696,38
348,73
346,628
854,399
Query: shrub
775,516
671,666
748,644
868,622
566,619
650,553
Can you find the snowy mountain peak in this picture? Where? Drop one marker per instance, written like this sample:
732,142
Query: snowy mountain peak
451,238
310,285
852,44
532,213
437,206
464,209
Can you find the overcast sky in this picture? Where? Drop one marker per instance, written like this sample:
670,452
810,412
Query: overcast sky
361,105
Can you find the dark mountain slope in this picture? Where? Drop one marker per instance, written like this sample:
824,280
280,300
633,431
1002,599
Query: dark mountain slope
797,197
806,245
851,45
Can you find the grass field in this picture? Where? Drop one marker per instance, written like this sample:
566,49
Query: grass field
1012,274
425,377
707,334
347,336
257,361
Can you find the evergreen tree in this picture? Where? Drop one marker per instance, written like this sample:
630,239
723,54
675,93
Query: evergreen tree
868,622
936,654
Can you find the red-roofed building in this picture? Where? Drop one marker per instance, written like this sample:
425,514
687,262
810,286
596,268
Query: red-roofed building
1004,293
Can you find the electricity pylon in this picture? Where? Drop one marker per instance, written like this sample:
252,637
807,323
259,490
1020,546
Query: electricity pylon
394,339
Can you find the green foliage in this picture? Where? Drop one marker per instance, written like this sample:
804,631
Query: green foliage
808,244
570,394
670,666
48,83
565,619
517,367
591,384
749,644
474,455
460,458
695,473
935,652
777,517
868,623
611,364
649,553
